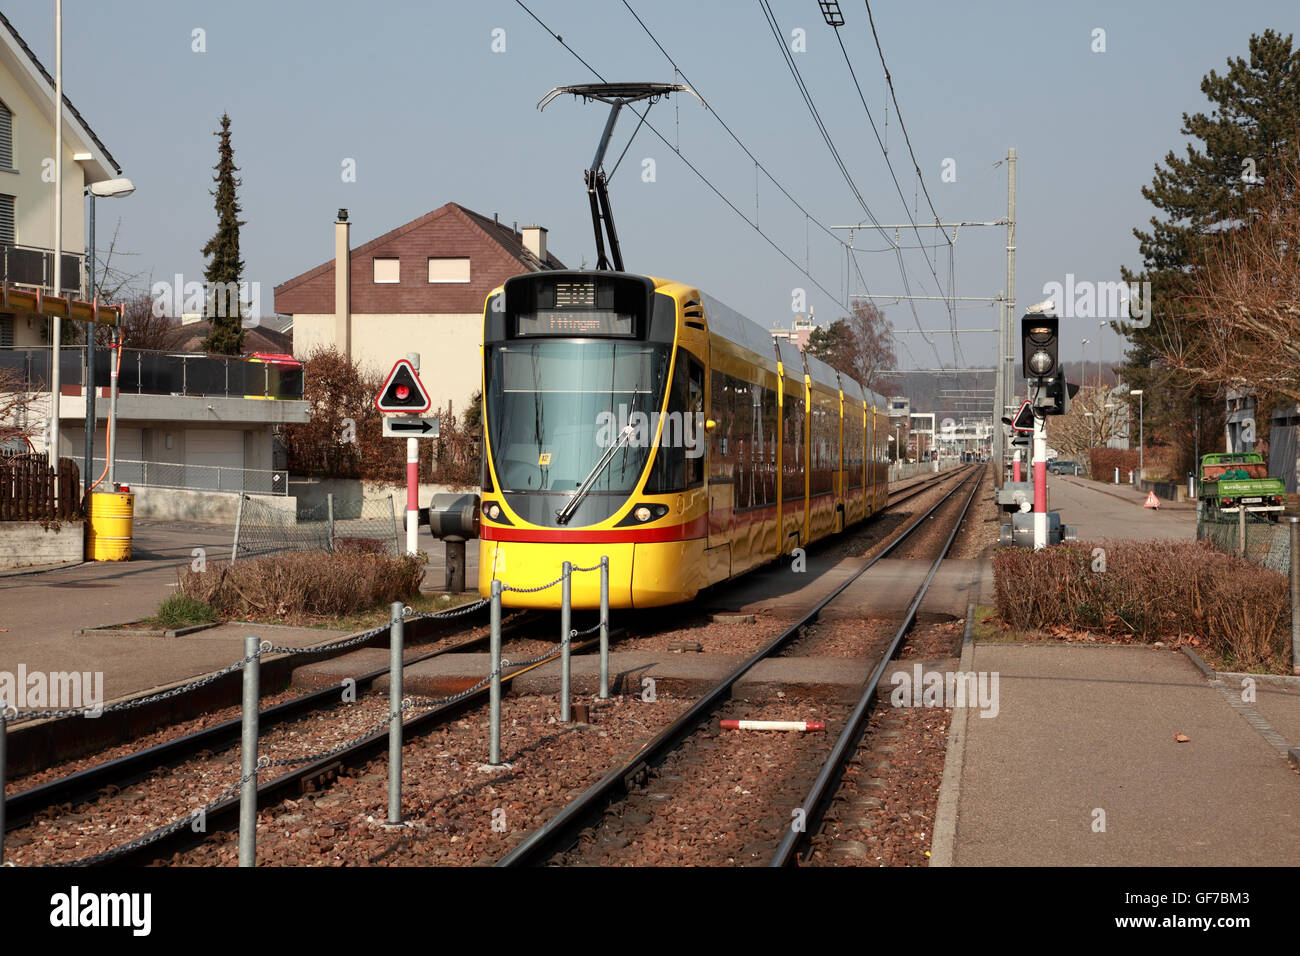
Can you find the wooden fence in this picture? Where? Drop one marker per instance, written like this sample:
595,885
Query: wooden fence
27,484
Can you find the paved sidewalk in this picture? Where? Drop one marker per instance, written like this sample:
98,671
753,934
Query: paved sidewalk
1096,511
1129,493
1082,729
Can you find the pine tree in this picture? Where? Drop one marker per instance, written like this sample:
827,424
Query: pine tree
1255,120
225,268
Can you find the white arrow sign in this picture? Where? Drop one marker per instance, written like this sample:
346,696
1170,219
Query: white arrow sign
410,426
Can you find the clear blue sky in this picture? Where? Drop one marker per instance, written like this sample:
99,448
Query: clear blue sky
413,92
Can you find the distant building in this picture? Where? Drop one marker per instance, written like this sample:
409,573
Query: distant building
417,288
799,332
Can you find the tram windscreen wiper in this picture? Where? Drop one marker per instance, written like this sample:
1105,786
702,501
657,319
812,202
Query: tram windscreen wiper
564,514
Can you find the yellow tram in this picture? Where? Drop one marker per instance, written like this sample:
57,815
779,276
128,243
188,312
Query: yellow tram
637,418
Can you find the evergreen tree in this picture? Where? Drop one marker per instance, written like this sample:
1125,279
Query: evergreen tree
225,268
1254,120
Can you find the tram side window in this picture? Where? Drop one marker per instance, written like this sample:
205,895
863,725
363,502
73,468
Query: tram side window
792,450
677,466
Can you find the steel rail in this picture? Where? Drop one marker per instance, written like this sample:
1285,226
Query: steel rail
562,830
824,787
84,785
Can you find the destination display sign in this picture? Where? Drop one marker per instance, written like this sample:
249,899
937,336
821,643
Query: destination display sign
577,322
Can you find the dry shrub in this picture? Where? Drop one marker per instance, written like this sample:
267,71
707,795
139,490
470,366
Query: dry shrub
1183,592
1106,460
303,587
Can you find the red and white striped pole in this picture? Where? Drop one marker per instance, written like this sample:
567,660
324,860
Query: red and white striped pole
413,480
1040,481
772,724
1015,467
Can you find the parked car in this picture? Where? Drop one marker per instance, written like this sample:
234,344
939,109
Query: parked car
1058,467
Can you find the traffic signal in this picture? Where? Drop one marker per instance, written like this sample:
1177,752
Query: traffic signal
1040,341
1056,395
403,391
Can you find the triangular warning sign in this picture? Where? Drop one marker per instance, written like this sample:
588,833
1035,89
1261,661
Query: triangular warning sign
403,391
1152,501
1024,420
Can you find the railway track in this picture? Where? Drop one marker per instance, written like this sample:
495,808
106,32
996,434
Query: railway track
611,815
116,775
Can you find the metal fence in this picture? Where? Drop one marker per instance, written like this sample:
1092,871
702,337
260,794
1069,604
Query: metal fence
367,524
1267,543
163,474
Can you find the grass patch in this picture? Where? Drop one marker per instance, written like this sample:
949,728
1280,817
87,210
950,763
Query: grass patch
181,610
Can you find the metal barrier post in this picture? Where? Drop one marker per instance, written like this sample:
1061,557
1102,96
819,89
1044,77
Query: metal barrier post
604,627
396,634
1295,604
1241,529
329,510
239,518
248,757
4,756
494,694
566,613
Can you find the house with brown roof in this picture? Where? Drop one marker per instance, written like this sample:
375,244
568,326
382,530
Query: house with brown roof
417,288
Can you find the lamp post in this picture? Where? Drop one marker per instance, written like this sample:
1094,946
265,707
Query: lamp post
1138,393
56,323
110,188
1089,417
1083,373
1101,327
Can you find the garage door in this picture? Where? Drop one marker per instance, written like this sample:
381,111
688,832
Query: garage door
214,459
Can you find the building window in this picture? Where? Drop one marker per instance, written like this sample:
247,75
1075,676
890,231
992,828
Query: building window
448,270
7,220
6,138
388,270
6,331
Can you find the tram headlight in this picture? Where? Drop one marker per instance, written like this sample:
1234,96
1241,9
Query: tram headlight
642,513
493,511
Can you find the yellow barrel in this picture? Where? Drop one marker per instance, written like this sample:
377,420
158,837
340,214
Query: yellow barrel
108,532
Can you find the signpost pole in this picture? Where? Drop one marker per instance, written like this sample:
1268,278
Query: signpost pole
1040,482
413,480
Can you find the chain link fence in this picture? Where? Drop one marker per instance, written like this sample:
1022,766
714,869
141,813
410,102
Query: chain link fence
366,524
1268,543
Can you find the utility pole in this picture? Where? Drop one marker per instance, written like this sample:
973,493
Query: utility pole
56,323
1009,375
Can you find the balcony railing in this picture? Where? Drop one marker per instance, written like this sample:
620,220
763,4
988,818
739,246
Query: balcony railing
34,266
147,372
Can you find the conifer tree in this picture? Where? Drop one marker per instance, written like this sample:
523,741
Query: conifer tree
225,268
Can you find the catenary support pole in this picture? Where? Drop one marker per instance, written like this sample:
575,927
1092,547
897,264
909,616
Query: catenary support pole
396,638
604,627
494,663
566,614
248,756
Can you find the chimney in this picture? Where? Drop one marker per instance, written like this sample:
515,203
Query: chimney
535,241
342,285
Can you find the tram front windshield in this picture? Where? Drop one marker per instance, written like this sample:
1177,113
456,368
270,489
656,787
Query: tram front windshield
555,407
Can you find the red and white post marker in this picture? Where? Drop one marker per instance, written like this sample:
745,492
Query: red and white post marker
1040,481
403,399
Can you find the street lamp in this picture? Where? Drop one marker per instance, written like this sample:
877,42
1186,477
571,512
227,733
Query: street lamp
1083,374
1101,328
1089,416
108,189
1138,393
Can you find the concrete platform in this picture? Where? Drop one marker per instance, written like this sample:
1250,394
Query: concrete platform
1095,511
1082,729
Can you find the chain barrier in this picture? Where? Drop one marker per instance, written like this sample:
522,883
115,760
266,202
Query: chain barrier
21,715
452,612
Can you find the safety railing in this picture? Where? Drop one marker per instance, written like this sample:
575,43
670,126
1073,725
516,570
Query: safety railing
188,477
148,372
251,762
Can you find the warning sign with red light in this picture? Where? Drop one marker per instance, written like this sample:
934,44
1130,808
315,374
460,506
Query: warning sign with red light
403,392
